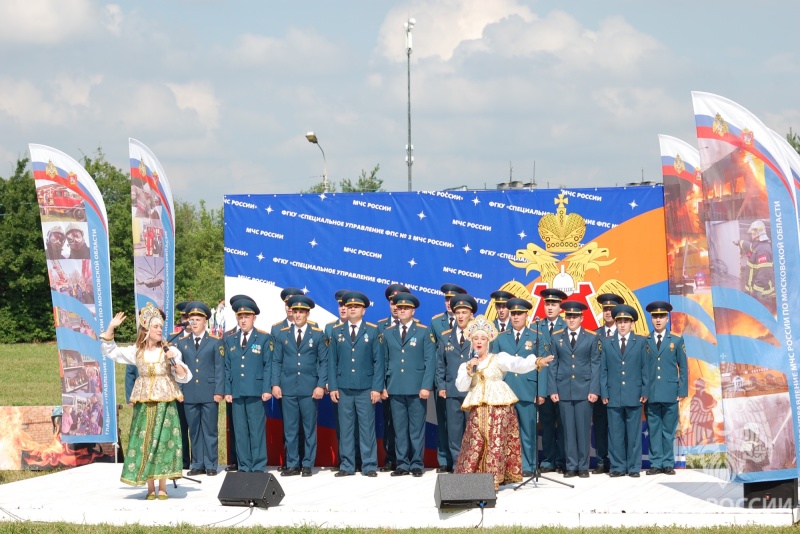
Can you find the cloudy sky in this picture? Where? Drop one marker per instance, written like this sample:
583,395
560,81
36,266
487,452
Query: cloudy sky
224,91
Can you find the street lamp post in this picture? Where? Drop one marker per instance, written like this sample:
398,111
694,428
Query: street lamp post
409,25
312,138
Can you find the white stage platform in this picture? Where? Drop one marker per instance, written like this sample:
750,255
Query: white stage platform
93,495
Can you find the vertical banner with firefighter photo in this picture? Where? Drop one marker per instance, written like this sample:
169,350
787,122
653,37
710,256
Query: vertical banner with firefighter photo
750,217
75,231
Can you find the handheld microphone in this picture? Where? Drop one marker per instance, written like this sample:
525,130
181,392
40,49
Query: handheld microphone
474,367
184,324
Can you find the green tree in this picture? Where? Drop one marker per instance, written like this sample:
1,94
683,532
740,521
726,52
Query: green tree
26,311
199,253
365,184
320,187
115,186
794,140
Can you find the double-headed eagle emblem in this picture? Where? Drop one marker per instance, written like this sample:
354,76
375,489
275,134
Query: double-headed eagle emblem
562,233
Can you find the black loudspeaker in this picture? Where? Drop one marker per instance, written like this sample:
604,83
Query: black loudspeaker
465,491
250,489
771,494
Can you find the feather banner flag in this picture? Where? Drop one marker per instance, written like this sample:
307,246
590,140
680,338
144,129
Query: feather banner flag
700,429
750,216
153,217
75,230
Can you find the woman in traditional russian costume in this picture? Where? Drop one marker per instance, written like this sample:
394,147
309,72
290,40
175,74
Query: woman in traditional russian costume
491,440
154,445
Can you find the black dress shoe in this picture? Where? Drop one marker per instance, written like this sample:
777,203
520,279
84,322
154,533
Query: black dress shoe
335,468
344,474
583,474
388,467
546,470
443,470
290,471
399,472
195,472
561,470
527,474
600,469
417,472
211,472
306,471
634,475
282,468
615,474
668,471
653,471
570,474
371,474
232,467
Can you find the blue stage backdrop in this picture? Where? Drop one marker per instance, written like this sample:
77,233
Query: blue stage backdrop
583,241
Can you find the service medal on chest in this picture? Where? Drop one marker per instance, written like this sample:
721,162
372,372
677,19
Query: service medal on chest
340,339
413,342
528,345
366,338
310,343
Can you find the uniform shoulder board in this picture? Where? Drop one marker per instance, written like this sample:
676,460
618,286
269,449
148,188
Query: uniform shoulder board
385,320
231,331
372,325
262,332
390,327
447,331
212,336
437,316
591,332
278,323
558,331
674,334
312,323
337,325
420,325
315,328
417,320
175,333
286,328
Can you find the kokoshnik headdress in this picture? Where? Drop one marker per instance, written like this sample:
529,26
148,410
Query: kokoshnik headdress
148,315
480,323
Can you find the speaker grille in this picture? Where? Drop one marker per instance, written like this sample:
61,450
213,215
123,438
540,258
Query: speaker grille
465,491
250,489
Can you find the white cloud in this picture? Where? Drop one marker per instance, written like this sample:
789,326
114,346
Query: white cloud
113,19
300,51
442,26
199,98
44,21
24,102
75,91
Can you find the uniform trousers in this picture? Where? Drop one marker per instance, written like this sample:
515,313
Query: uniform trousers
249,427
300,415
625,439
662,423
357,430
203,433
408,415
576,418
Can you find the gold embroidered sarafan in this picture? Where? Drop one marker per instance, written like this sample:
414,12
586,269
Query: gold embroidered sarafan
487,387
155,382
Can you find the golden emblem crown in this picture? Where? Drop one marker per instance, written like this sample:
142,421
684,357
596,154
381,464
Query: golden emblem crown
720,127
51,170
678,164
562,232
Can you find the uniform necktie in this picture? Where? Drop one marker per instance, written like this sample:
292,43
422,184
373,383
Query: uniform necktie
403,334
502,327
551,329
608,333
197,343
572,341
658,343
451,322
622,348
517,341
397,322
299,336
461,339
353,333
244,340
